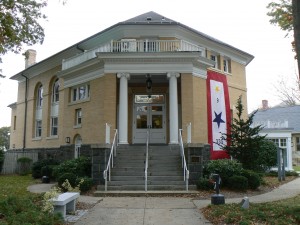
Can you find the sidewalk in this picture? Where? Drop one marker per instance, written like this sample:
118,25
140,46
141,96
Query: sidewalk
160,210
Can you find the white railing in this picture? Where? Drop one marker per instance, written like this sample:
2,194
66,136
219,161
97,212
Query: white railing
146,162
132,45
186,172
110,163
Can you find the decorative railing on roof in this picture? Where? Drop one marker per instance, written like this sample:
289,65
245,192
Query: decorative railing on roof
272,124
132,45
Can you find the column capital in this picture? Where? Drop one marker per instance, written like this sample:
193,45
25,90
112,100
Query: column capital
126,75
173,74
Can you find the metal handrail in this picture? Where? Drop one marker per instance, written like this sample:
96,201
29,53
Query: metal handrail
146,162
186,172
110,163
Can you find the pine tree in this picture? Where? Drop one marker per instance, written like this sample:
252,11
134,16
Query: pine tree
244,142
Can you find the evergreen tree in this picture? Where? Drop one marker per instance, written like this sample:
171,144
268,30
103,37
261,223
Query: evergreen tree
244,142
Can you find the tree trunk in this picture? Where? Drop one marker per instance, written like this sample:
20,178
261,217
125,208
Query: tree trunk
296,24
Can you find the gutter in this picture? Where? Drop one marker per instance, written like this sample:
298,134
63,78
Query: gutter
25,113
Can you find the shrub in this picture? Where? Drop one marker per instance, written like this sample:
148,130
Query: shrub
47,171
205,184
85,183
38,165
80,166
239,183
224,167
67,176
24,165
2,155
254,180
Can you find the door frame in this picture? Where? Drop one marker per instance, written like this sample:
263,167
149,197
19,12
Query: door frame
160,132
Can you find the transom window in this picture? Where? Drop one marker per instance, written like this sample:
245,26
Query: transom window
80,92
152,99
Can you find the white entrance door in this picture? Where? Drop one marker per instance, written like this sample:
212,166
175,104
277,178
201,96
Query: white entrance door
149,116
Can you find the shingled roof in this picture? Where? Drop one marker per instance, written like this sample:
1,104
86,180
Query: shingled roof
287,113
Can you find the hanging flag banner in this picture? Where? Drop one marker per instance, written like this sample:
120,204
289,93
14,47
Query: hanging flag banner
218,112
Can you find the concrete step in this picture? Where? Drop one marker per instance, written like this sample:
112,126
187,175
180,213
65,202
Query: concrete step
142,193
141,187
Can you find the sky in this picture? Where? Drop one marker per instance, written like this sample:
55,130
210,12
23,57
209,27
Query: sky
242,24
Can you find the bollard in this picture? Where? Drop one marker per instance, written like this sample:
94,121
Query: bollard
217,199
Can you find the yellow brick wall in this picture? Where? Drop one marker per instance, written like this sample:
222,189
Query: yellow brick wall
194,107
98,110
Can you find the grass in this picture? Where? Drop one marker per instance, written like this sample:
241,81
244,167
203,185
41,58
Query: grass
284,212
296,168
15,185
18,206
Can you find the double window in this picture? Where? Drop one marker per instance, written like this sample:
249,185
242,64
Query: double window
78,117
80,92
226,65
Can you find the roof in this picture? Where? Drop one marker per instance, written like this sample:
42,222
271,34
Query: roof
280,114
149,18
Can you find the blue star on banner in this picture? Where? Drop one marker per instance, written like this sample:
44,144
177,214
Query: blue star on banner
218,119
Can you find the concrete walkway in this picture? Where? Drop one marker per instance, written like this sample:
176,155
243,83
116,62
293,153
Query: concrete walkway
161,210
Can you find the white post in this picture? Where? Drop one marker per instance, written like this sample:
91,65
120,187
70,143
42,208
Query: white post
107,133
189,133
173,107
123,108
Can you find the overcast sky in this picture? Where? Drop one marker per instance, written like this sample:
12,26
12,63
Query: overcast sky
242,24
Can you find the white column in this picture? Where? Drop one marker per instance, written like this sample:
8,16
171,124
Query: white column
123,108
173,107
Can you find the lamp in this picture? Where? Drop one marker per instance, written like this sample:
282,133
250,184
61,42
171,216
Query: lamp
67,140
149,85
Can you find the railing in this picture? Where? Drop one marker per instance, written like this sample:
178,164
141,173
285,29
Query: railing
133,45
186,172
110,163
146,162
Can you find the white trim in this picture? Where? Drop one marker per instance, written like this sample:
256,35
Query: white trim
82,78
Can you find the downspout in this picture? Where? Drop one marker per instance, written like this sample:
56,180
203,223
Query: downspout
25,113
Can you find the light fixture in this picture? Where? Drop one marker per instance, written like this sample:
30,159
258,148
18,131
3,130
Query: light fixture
68,140
149,85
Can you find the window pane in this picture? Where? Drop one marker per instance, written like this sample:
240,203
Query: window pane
156,121
141,108
74,94
141,121
157,108
82,92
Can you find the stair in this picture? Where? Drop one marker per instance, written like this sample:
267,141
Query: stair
164,169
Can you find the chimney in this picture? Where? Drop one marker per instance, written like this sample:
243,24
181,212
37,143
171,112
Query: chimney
265,104
30,58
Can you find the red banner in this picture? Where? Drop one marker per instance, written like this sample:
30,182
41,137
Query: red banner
218,112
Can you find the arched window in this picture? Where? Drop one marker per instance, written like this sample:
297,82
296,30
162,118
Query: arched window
39,97
38,111
55,91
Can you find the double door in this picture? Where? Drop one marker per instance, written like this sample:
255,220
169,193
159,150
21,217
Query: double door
149,117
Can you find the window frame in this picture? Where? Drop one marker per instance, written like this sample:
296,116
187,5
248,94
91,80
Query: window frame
54,127
55,91
38,128
78,117
216,66
39,97
80,92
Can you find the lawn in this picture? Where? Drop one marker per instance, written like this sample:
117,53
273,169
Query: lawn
296,168
284,212
18,206
15,185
